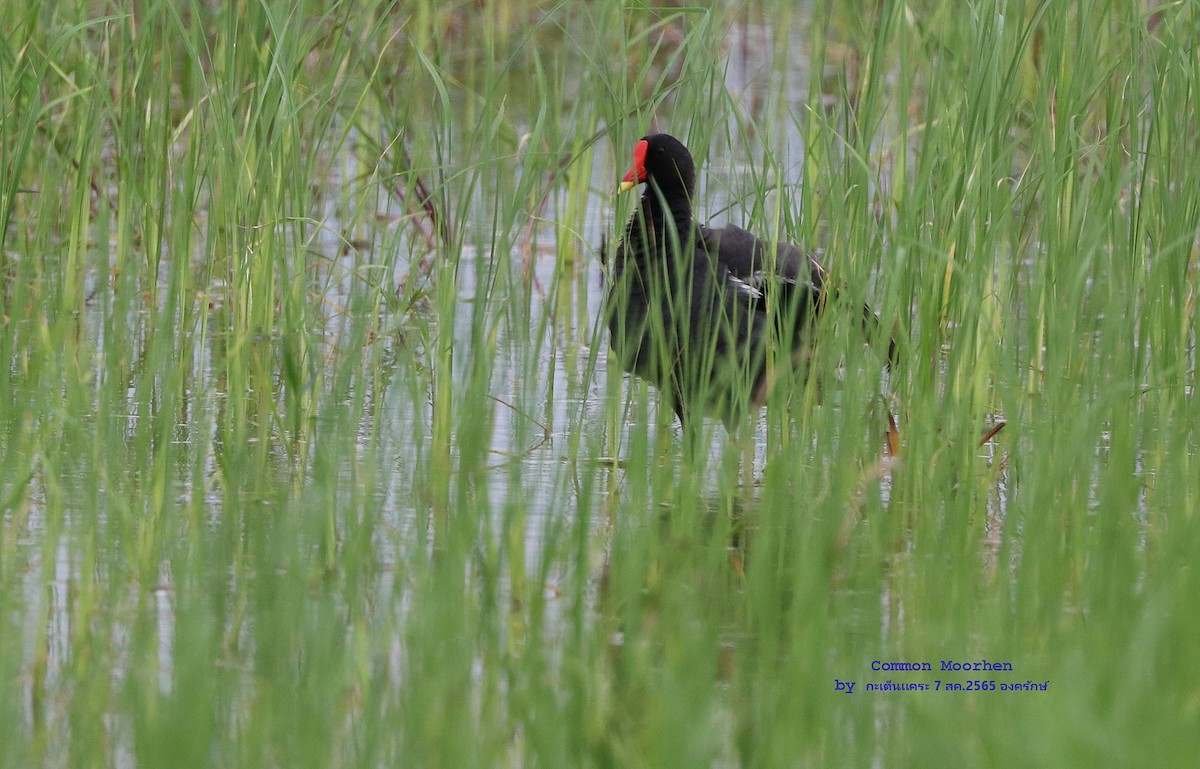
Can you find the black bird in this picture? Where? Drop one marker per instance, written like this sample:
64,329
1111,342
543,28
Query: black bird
695,311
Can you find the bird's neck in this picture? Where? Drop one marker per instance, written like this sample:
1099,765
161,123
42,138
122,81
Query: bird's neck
678,206
648,227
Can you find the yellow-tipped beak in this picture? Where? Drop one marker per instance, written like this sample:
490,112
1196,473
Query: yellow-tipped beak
636,174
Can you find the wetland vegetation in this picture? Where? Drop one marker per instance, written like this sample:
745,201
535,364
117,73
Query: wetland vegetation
312,452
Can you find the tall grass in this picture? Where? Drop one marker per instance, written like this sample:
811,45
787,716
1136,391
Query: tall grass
311,455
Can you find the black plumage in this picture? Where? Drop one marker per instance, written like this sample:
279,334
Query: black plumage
696,311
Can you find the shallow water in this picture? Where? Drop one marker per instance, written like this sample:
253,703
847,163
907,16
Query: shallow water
276,574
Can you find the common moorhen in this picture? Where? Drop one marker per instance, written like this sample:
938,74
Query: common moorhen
694,310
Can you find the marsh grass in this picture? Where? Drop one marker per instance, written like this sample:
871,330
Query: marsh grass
311,455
